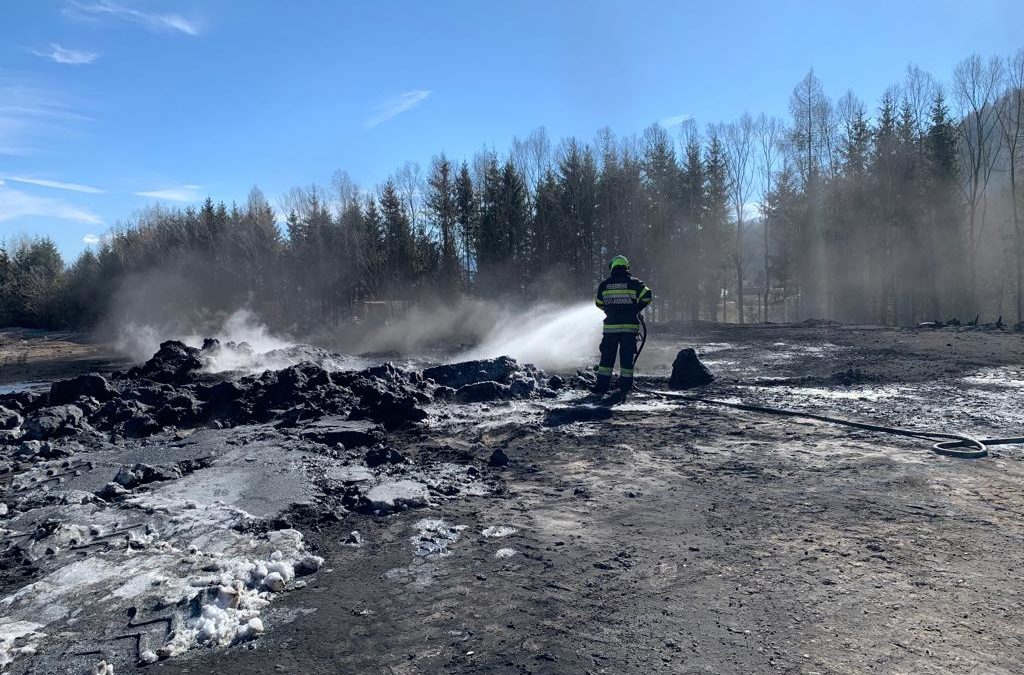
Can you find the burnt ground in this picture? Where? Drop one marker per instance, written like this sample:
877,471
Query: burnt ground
687,538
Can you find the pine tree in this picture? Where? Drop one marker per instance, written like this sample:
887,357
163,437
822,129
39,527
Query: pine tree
577,175
943,211
714,223
852,220
397,241
442,205
689,243
467,210
884,172
662,192
545,237
785,207
373,252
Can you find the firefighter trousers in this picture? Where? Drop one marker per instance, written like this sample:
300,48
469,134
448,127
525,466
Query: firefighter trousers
622,345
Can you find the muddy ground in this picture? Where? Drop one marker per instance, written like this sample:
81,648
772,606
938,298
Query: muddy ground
685,538
37,357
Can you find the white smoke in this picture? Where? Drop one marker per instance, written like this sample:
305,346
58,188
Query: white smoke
140,341
553,337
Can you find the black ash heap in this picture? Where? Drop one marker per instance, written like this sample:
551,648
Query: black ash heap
175,497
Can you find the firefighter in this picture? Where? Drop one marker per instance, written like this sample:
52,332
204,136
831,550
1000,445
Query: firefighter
622,297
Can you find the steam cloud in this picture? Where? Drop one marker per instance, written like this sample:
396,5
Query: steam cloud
551,336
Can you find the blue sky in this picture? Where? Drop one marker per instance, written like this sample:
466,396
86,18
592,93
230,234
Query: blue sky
109,105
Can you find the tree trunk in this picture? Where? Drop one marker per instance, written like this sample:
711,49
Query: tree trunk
1018,240
767,278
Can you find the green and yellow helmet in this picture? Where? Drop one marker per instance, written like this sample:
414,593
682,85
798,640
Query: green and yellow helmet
619,261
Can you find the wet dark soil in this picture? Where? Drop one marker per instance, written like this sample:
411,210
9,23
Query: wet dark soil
689,539
654,536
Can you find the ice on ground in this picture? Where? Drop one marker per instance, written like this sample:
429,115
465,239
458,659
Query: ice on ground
230,587
503,553
712,347
102,668
349,473
23,386
787,352
854,393
398,494
998,378
179,552
434,536
190,551
17,638
496,531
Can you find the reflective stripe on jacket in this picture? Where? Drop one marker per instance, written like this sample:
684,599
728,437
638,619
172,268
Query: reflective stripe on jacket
622,297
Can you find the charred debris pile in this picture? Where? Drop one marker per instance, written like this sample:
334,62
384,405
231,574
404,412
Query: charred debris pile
171,391
168,471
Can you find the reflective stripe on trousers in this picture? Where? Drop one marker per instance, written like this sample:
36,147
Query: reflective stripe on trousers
621,345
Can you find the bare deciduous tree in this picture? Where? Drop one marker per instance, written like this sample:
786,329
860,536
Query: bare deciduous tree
345,189
1011,124
532,156
919,90
976,87
770,133
739,148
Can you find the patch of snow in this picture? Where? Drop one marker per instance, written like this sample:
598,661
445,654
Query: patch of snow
23,386
349,473
503,553
182,558
998,378
393,494
12,632
102,668
712,347
851,393
499,531
435,536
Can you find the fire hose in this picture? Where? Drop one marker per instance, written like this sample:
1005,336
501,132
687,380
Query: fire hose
952,445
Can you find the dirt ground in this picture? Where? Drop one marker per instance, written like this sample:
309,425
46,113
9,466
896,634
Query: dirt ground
39,357
685,538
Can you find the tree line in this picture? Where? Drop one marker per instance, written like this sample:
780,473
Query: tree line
905,211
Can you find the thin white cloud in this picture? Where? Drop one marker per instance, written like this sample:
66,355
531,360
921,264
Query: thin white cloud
71,57
396,106
154,20
31,117
56,184
180,193
18,204
91,239
675,120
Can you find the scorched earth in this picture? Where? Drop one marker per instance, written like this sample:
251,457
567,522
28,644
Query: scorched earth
490,518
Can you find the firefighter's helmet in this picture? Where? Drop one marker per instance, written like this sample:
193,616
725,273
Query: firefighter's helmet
619,261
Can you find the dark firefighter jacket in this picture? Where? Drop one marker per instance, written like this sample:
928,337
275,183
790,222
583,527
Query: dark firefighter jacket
622,298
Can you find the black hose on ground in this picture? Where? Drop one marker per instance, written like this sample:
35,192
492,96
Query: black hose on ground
951,445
